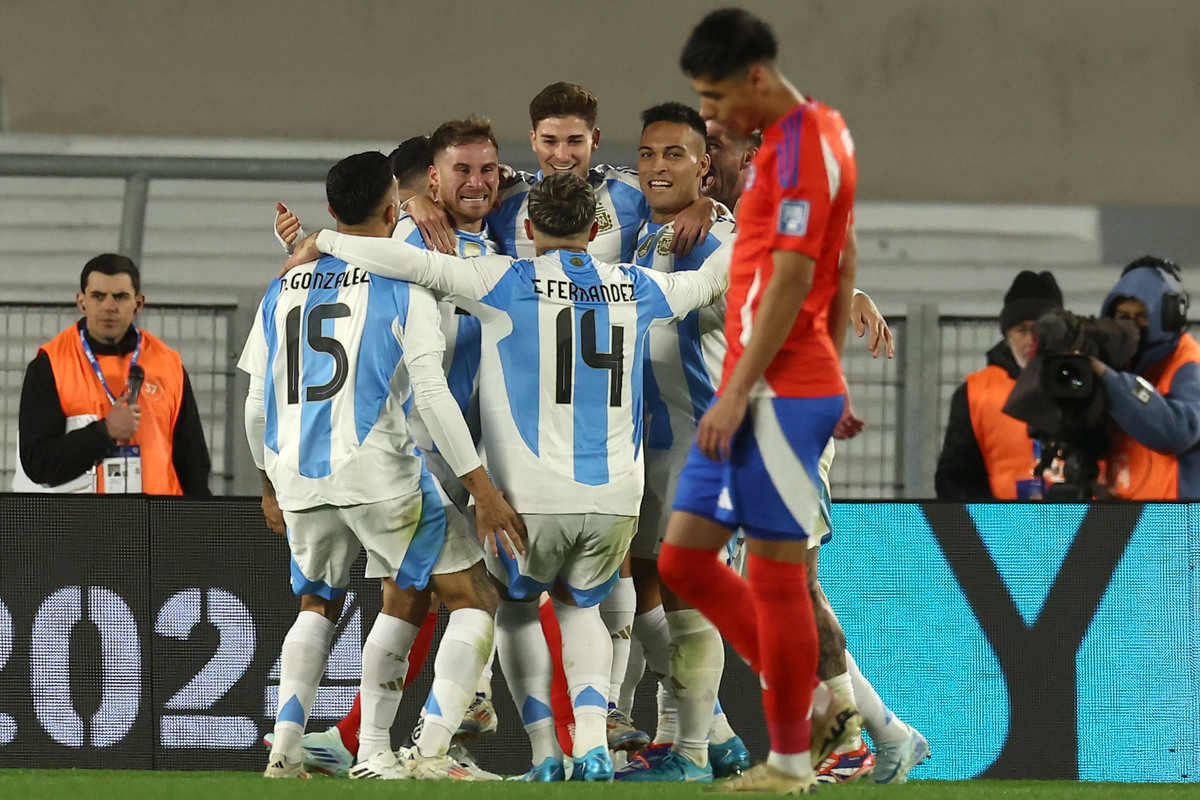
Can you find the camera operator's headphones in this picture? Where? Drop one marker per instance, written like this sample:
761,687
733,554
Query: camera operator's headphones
1174,304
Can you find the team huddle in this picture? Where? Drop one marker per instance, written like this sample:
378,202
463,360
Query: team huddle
654,391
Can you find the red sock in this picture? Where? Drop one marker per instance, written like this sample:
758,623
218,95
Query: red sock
708,585
348,727
419,652
787,635
560,698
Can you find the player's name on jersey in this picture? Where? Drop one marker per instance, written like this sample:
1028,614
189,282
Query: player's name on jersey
324,280
569,290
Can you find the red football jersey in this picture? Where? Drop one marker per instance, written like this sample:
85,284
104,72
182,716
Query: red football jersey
799,196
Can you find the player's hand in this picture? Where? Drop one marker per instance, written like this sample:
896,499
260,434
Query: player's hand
498,525
433,223
718,426
273,514
303,253
287,225
123,419
849,425
866,317
692,225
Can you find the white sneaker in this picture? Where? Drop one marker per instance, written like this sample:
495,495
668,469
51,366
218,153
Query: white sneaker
282,768
467,761
894,760
381,766
479,719
322,752
435,768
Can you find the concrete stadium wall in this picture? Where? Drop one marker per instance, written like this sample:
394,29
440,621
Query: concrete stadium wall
1021,101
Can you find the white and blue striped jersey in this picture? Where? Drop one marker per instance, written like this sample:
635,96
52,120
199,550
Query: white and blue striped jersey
460,360
621,209
339,353
564,345
684,368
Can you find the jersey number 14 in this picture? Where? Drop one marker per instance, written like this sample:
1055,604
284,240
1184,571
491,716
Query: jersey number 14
564,355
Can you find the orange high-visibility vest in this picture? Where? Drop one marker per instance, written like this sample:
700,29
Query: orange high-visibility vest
1003,440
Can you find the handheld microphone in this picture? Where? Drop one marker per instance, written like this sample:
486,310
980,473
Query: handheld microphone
136,376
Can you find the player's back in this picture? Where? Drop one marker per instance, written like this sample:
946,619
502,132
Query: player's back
336,389
799,197
564,339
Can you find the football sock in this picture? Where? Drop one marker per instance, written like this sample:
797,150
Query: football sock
706,583
697,661
464,649
721,731
634,671
787,634
587,662
301,665
617,610
419,652
347,728
525,659
841,687
384,665
668,718
484,685
878,719
650,629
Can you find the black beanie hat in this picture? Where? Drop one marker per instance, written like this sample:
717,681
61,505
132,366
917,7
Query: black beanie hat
1031,295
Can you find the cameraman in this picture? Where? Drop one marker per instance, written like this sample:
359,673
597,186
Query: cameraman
1155,407
988,454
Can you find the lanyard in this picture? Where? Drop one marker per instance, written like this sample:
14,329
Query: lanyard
91,357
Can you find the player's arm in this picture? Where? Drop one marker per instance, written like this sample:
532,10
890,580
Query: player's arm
471,278
433,222
839,320
864,315
791,281
693,223
691,289
254,363
423,342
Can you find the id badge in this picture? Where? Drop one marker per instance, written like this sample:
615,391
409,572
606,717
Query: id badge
122,470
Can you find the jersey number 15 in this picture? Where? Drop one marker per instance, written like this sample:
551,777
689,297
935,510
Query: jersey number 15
319,342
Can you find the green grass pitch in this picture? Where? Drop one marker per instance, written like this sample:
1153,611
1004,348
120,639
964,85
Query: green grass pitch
21,784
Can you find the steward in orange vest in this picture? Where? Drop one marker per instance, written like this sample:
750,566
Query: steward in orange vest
988,454
1154,407
79,431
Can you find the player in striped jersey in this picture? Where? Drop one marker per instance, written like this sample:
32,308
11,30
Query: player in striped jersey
327,423
562,429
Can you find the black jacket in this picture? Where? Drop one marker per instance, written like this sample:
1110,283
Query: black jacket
961,471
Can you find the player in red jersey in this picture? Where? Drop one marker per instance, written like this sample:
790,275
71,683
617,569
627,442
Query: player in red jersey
782,394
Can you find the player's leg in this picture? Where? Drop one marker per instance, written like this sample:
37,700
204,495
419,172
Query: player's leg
322,549
899,746
521,644
617,610
589,570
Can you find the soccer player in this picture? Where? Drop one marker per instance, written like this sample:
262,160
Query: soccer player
782,394
564,339
899,746
327,423
460,164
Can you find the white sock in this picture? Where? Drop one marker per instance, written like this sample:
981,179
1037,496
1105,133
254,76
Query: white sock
484,686
301,665
617,611
651,630
462,653
720,731
668,717
880,722
698,659
587,662
525,659
842,688
634,671
384,666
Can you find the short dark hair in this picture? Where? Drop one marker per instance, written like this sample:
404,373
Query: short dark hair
726,42
355,186
472,130
563,100
111,264
675,112
562,205
410,162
